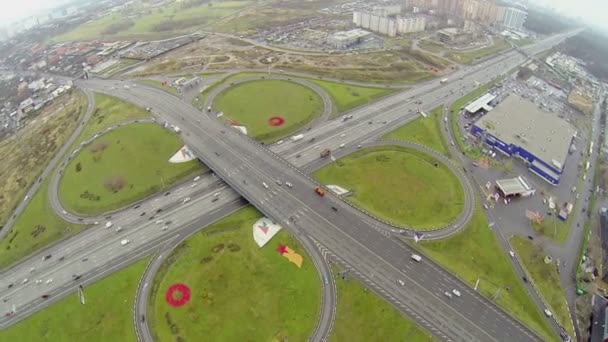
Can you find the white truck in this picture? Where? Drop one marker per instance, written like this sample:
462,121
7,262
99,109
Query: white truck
443,81
177,129
297,137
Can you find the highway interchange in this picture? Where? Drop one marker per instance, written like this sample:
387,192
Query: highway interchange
244,165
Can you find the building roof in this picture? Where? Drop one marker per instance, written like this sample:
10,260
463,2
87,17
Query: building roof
351,34
520,122
480,103
513,186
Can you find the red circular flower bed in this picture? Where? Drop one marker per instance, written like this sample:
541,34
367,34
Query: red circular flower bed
276,121
181,299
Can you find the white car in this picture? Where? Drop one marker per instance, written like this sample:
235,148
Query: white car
548,313
165,227
48,281
197,178
124,242
400,282
265,185
32,269
186,200
216,194
512,254
193,185
118,229
289,184
447,294
24,281
316,147
342,135
159,221
456,292
416,257
39,281
108,224
342,145
279,142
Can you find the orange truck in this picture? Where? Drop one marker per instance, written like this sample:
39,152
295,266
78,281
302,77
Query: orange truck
320,191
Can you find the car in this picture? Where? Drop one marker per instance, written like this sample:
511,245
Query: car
45,296
289,185
49,281
62,258
548,313
525,280
64,212
46,257
214,200
334,208
137,206
124,242
400,282
186,200
456,292
109,224
159,210
342,135
416,257
32,269
447,294
167,193
359,146
118,229
217,194
316,147
193,185
159,221
512,254
143,213
265,185
76,276
10,285
342,145
278,182
165,227
197,178
325,280
279,142
4,300
38,281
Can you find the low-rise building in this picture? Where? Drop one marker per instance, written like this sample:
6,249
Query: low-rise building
518,128
344,39
452,35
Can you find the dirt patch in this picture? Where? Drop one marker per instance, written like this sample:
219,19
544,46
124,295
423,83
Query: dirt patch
115,184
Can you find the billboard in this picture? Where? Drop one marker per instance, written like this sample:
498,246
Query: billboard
183,155
264,230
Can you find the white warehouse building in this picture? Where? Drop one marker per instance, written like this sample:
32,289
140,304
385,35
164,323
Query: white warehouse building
344,39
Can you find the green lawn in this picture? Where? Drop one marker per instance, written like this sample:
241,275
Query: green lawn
251,104
553,228
545,278
424,131
346,96
399,185
239,292
475,254
363,316
35,228
174,18
430,46
469,57
230,78
159,84
106,316
523,42
121,167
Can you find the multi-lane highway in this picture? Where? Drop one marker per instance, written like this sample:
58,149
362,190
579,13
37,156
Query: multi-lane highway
241,160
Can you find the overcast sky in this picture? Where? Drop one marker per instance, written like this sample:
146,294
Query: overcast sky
592,10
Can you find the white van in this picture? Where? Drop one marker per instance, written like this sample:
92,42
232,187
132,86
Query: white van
124,242
416,257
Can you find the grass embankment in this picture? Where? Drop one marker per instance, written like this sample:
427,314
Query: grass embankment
121,167
38,226
252,104
26,154
239,292
158,84
170,19
474,254
469,57
546,279
363,316
107,315
430,46
400,185
424,131
199,101
347,96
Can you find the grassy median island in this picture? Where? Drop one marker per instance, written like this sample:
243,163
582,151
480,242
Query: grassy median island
472,56
107,315
348,96
239,292
252,104
475,254
400,185
424,131
363,316
122,166
545,278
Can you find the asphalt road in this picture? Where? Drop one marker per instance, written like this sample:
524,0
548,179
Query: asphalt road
35,295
